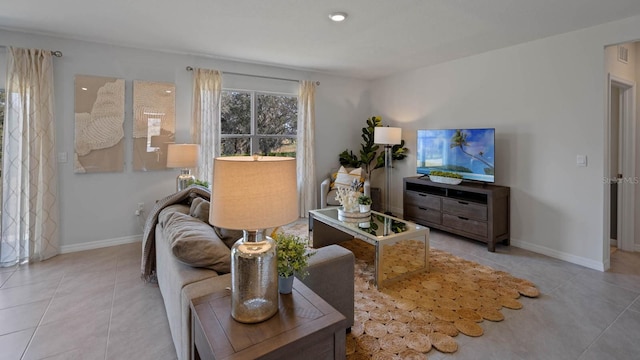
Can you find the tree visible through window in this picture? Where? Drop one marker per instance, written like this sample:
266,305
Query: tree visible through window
253,122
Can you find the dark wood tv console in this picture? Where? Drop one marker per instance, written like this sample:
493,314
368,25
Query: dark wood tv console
473,210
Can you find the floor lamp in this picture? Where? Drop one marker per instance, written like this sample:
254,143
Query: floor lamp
387,136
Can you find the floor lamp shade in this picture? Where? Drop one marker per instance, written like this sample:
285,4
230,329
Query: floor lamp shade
252,194
388,136
185,157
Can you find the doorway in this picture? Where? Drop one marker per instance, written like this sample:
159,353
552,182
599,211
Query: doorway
621,169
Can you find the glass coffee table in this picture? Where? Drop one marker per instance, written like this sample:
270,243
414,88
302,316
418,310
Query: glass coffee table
401,247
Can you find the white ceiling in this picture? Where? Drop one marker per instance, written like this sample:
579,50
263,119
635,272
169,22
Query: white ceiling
379,38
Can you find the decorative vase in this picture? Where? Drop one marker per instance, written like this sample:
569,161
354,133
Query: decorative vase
285,284
254,294
365,208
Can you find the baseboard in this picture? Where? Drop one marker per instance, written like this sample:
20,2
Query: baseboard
100,244
578,260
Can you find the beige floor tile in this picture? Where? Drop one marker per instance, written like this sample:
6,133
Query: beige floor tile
154,342
620,341
30,276
86,334
12,345
22,317
4,276
21,295
79,304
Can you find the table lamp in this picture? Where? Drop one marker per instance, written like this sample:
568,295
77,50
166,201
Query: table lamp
185,157
252,193
387,136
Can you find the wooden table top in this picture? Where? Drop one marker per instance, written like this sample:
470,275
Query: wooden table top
301,315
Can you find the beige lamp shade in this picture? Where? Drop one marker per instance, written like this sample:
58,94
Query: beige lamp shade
253,193
387,135
182,155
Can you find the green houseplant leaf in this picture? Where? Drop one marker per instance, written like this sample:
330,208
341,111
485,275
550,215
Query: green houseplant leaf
292,255
371,155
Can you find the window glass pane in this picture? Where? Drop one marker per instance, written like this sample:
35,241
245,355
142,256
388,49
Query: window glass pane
276,114
235,146
235,113
275,146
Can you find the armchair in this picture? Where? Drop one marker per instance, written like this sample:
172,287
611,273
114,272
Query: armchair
328,195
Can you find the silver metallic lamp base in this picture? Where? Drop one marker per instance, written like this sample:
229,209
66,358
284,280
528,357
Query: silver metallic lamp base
184,179
254,278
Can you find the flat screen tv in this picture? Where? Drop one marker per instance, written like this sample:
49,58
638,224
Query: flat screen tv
468,152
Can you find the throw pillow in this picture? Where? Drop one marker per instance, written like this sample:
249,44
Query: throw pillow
228,236
195,243
346,178
200,209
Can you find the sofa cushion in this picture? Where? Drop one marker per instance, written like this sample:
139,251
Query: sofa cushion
228,236
200,209
347,178
195,243
168,211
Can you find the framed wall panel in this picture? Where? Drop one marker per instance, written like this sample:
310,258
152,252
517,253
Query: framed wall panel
153,124
99,124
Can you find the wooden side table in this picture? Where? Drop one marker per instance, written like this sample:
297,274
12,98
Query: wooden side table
305,327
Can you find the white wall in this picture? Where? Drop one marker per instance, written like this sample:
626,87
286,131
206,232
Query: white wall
546,99
98,209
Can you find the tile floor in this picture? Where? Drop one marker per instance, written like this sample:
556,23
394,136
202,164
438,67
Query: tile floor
93,305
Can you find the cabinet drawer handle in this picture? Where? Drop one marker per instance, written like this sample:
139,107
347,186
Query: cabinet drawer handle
421,194
463,202
421,208
462,218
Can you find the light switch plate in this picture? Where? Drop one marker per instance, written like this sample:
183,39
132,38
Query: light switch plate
581,160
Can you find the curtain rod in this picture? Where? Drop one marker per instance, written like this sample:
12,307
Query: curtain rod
55,53
189,68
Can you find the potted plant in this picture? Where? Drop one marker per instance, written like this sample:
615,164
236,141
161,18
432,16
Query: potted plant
370,152
364,202
292,259
445,177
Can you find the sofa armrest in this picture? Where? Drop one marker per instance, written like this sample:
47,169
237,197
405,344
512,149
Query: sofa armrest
331,276
324,190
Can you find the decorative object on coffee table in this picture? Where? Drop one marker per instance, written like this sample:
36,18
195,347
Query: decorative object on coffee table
387,136
185,157
292,259
252,193
364,202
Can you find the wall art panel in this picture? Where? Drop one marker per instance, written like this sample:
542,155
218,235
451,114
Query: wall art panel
153,124
99,124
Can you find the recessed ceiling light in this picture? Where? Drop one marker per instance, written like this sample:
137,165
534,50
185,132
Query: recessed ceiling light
338,16
84,89
168,91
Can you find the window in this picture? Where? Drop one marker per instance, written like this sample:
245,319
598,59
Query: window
257,122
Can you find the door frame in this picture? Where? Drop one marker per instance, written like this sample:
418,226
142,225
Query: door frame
626,191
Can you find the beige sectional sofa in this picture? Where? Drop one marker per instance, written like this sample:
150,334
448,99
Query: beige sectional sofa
330,270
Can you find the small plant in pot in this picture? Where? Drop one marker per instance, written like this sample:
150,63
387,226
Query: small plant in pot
365,203
292,259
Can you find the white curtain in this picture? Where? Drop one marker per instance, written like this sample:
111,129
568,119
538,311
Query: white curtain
205,130
29,175
306,164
